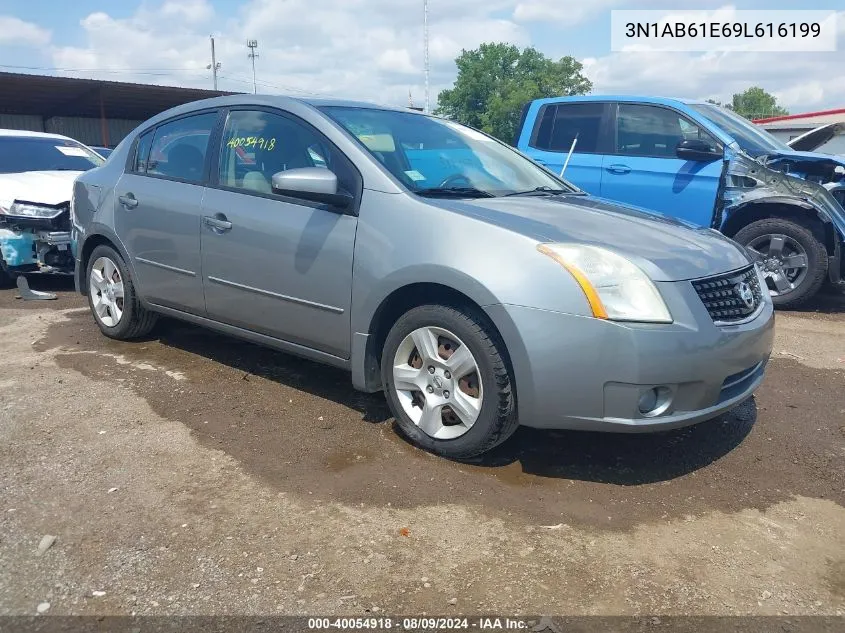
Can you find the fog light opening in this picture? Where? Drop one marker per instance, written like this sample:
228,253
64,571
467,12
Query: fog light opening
655,401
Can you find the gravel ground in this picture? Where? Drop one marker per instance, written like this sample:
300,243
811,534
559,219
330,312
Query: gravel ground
191,473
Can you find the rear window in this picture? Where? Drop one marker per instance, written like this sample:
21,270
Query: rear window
559,124
177,148
30,153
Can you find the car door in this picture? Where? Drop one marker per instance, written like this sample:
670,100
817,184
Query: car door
644,170
557,126
277,265
158,208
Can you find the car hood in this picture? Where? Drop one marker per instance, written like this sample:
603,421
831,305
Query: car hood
668,250
45,187
810,162
816,137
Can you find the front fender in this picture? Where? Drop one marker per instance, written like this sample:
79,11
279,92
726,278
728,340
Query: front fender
749,182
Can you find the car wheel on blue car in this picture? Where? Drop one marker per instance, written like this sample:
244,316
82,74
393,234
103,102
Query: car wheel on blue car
112,298
447,382
790,254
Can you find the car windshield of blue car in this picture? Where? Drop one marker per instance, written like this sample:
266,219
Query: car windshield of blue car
436,157
37,153
751,138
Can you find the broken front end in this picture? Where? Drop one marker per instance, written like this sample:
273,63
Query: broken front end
798,186
35,238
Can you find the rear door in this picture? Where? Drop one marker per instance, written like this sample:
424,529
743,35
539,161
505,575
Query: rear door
158,204
556,127
643,169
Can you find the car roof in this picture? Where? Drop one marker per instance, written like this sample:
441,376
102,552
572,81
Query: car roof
29,134
279,101
669,101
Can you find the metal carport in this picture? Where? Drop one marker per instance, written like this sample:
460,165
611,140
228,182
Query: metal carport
91,111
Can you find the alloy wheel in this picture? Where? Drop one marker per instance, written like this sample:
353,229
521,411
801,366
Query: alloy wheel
107,293
438,382
782,259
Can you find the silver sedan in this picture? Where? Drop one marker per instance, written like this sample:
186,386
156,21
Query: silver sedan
476,288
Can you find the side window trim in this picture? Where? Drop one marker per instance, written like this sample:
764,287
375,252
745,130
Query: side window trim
538,123
154,129
603,145
213,180
614,129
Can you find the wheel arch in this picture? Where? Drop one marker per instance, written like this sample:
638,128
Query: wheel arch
785,208
368,346
99,236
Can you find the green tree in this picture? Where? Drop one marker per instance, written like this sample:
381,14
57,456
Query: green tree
495,80
756,103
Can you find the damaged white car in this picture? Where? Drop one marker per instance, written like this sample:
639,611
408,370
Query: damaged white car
37,171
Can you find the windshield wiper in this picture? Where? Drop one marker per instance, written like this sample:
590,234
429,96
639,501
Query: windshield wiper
544,190
455,192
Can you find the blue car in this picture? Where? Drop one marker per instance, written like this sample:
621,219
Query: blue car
708,166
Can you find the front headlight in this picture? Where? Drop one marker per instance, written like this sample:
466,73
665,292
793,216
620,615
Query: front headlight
26,210
615,287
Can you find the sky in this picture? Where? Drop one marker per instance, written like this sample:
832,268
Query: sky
373,49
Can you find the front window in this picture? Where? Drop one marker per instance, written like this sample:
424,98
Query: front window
751,138
654,131
37,153
430,155
258,144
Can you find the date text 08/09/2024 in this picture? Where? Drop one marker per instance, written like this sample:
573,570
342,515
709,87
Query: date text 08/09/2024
722,29
425,623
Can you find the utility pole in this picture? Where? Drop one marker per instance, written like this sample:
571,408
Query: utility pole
252,45
425,36
215,65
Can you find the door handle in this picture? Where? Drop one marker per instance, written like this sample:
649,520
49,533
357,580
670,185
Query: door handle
618,169
128,201
219,224
540,162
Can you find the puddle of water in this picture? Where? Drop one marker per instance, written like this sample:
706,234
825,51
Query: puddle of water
301,427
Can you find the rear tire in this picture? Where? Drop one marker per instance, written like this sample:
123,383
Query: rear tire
481,387
774,243
112,298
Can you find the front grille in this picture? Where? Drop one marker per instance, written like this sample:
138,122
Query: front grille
732,296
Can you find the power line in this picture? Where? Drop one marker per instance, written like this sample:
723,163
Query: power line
271,85
136,71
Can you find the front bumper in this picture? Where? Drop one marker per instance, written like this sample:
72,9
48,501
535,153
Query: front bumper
26,251
575,372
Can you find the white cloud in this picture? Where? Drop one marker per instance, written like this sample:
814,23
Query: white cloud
373,49
369,49
566,12
192,11
14,31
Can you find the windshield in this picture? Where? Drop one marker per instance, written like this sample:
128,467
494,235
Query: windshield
430,155
751,138
33,153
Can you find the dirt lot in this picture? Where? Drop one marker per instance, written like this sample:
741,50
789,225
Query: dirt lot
195,474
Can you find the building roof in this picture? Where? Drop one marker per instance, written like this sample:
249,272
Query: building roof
798,118
51,96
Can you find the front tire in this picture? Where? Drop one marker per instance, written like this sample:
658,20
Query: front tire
793,258
447,382
112,298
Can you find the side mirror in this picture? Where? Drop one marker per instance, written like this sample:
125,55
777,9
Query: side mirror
696,149
311,183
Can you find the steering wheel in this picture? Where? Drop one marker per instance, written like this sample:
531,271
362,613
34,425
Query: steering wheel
453,179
